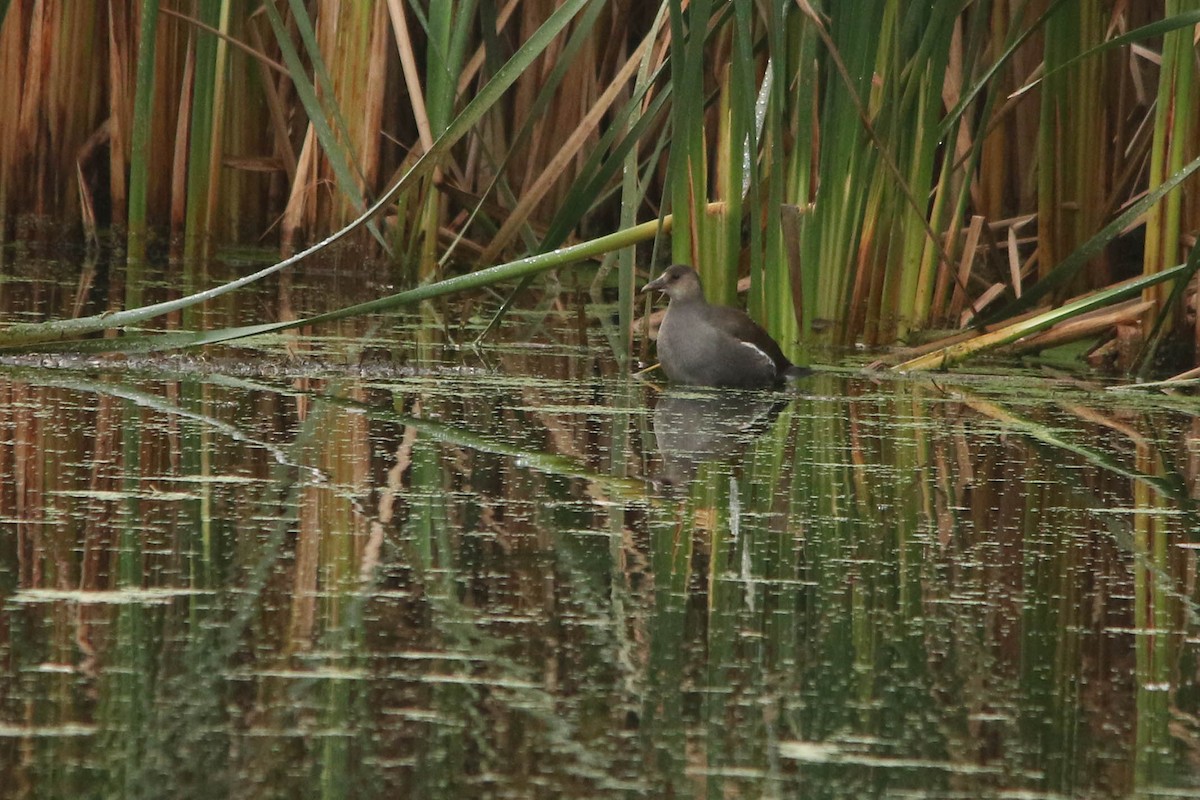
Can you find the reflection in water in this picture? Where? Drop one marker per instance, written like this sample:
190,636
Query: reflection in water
694,426
448,583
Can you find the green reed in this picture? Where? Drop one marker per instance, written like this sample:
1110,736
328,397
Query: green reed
204,148
871,172
143,112
1173,145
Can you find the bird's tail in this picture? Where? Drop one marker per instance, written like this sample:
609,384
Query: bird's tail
795,372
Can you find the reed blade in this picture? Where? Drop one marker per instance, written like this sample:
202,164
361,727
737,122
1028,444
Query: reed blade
143,115
517,270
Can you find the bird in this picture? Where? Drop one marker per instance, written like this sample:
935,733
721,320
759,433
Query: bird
706,345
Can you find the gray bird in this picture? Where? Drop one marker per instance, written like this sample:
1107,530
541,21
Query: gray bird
705,345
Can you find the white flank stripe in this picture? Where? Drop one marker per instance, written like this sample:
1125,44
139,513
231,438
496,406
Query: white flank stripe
761,353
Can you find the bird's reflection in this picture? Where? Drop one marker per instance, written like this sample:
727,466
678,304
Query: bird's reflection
692,427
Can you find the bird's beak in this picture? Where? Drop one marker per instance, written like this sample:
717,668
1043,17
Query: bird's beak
657,283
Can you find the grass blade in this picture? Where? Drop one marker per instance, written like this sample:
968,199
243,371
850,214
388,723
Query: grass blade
1151,31
143,114
203,139
319,113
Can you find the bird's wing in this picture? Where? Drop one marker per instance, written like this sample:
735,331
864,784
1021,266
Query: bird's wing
737,324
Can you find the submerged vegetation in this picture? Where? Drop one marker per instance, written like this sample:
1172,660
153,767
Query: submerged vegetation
896,173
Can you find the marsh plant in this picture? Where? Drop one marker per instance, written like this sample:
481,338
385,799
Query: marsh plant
882,172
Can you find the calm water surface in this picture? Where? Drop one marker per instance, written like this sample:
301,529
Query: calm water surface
375,562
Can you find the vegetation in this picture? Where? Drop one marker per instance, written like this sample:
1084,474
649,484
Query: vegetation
881,174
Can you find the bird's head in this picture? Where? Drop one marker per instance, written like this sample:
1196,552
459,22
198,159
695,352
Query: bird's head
678,282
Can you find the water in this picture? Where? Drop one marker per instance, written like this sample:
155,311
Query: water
432,571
